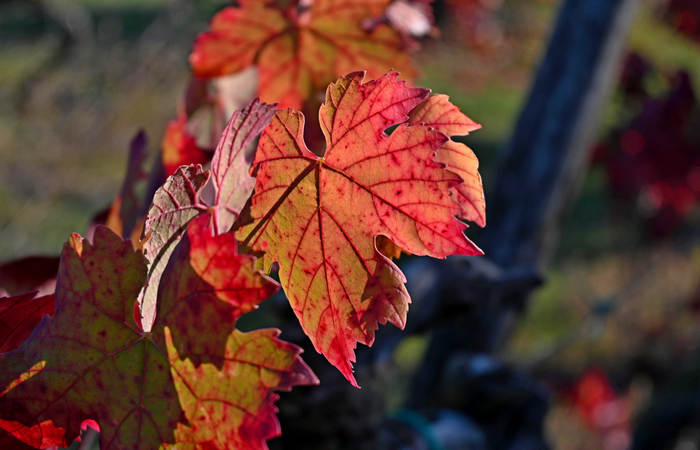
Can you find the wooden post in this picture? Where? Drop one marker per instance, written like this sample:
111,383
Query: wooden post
545,161
541,169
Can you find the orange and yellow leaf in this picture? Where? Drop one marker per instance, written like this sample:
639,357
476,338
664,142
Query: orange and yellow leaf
234,406
319,216
299,51
438,112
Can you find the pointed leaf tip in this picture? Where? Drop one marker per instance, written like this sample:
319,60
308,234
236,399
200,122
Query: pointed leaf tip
439,113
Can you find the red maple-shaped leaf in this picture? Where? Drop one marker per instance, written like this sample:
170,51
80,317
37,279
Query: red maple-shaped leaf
299,50
319,216
234,406
91,360
19,315
438,112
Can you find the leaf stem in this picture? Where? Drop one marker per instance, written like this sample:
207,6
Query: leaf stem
279,202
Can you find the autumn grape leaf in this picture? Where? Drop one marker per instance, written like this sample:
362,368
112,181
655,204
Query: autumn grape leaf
319,216
91,359
174,204
179,147
438,112
19,315
299,51
223,411
232,159
179,200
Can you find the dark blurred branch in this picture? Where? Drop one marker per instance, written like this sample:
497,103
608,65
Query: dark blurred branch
540,173
546,158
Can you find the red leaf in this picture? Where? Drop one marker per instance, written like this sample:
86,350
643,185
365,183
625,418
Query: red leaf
180,147
41,435
179,200
298,52
319,217
19,316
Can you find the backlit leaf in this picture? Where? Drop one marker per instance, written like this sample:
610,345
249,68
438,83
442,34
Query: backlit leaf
174,204
438,112
92,361
179,200
299,51
319,216
234,406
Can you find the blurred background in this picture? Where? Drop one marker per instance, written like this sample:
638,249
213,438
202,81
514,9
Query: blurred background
605,353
